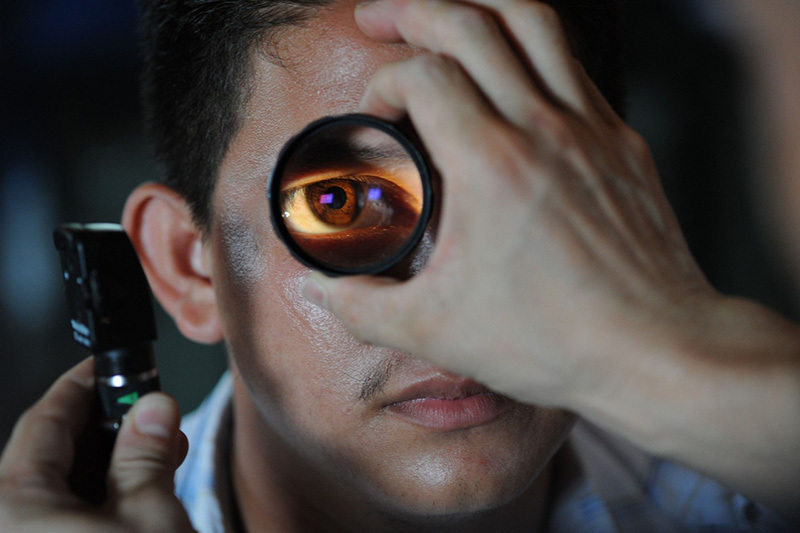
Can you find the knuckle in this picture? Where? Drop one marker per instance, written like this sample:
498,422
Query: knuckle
431,73
23,481
28,416
535,13
546,13
509,155
435,69
150,462
164,512
561,135
634,141
517,155
519,9
463,24
12,483
132,479
46,412
154,452
553,126
636,145
43,414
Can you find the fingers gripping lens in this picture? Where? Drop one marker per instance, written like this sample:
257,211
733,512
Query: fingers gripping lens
350,195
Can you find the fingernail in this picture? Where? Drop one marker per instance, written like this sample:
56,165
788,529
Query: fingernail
364,3
155,416
314,293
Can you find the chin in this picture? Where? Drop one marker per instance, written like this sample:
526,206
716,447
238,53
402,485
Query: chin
440,489
461,476
462,504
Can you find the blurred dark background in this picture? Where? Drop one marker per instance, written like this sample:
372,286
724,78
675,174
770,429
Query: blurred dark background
71,148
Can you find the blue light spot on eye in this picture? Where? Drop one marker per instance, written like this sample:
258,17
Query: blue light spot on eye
374,194
325,199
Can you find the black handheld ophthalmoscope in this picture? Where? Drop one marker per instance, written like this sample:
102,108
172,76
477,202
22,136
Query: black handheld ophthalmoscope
111,313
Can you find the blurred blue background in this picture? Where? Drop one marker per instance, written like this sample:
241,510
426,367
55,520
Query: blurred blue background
71,148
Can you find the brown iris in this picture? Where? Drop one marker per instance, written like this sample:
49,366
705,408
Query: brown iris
336,202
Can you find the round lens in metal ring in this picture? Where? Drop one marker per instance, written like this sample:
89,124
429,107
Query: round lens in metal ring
350,195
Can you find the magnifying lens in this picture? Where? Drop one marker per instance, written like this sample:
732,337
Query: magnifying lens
350,194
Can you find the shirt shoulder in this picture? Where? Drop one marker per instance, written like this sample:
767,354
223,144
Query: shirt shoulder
611,485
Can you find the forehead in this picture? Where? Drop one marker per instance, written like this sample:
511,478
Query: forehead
317,69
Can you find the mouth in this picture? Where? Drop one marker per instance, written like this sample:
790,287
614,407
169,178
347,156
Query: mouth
446,403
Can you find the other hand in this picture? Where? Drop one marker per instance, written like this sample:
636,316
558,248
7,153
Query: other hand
35,466
557,261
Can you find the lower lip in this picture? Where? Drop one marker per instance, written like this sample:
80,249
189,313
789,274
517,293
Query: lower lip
451,414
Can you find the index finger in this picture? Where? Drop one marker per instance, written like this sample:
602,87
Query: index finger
41,449
534,29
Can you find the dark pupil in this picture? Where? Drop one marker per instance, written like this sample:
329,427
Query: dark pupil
337,202
334,198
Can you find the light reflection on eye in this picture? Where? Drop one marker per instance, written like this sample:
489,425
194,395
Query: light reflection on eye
348,203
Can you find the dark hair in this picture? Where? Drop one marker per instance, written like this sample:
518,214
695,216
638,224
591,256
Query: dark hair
196,79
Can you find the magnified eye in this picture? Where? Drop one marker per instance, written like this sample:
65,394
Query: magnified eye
350,220
347,204
351,194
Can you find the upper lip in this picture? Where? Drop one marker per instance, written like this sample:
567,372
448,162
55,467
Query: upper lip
442,387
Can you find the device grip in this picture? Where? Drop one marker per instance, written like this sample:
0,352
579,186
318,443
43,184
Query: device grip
123,376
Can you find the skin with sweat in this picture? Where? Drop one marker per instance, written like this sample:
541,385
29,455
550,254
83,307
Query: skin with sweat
316,442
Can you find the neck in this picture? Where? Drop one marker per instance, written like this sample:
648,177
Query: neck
277,490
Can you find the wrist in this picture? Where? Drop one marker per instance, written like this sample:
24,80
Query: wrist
696,368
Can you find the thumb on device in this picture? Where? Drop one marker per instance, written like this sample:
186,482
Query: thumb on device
149,448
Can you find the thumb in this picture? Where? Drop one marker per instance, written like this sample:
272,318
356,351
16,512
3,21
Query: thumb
375,310
149,448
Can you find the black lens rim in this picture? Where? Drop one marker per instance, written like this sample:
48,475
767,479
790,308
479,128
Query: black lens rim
352,119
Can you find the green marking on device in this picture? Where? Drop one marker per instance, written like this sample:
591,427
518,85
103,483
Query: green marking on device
128,399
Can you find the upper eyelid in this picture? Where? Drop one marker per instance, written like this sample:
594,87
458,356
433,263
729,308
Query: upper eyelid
292,176
299,183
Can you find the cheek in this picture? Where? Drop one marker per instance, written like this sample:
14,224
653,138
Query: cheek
288,351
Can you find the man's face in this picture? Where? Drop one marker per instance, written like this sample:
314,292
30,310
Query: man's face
395,430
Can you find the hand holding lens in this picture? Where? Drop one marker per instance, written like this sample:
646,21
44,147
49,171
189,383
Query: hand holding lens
350,195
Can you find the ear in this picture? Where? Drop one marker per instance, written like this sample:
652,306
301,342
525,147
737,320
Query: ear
175,258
